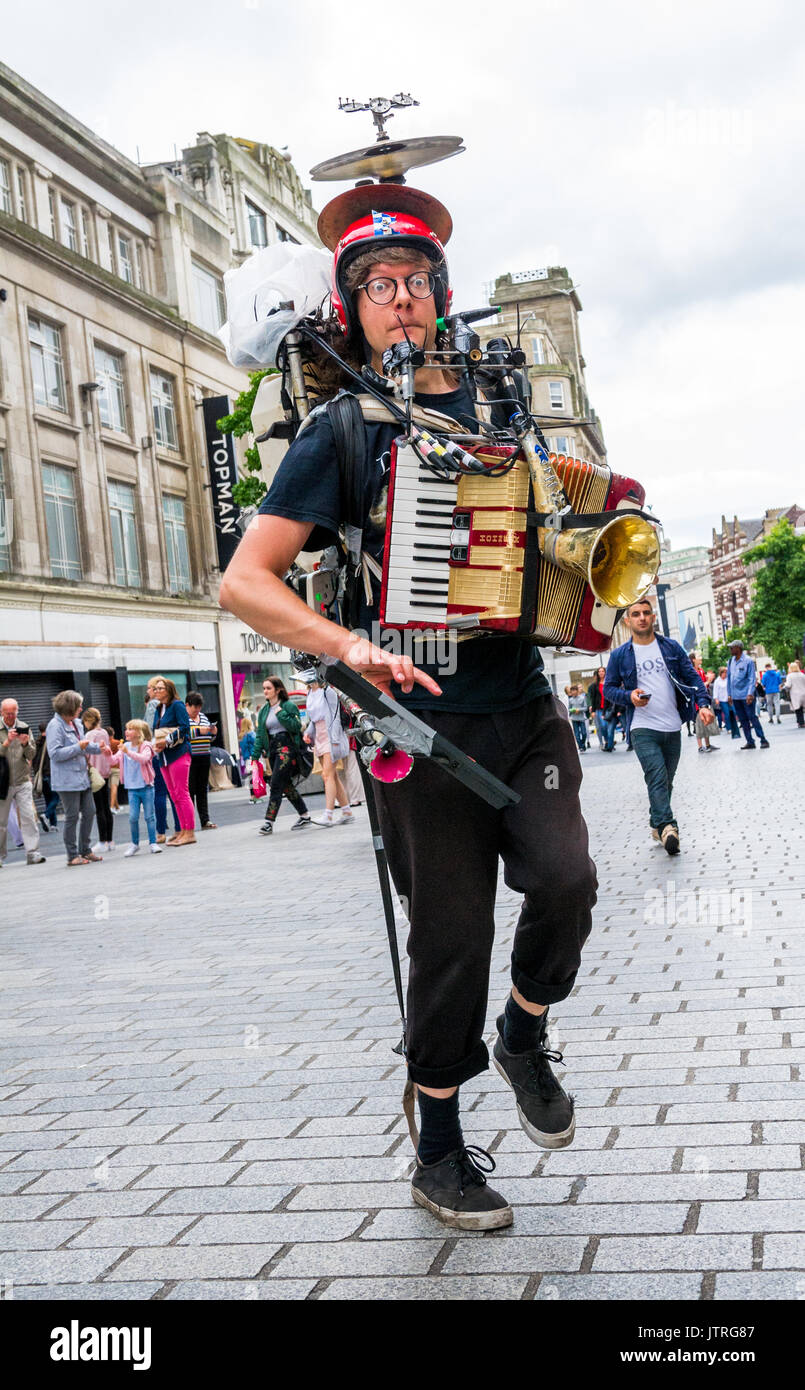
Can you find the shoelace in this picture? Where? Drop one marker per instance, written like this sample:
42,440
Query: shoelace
538,1060
468,1167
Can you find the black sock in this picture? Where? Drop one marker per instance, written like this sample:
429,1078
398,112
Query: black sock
439,1127
521,1030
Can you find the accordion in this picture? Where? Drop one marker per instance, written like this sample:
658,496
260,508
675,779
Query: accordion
461,552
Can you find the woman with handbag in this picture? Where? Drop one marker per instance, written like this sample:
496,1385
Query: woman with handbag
68,749
100,767
172,746
279,738
330,744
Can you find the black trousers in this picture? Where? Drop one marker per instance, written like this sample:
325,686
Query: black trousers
284,768
198,784
443,844
103,815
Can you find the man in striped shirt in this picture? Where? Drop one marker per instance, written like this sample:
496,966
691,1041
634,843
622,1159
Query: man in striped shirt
202,733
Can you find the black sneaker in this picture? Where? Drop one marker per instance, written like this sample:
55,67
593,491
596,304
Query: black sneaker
301,824
267,828
456,1191
544,1109
748,745
670,839
764,743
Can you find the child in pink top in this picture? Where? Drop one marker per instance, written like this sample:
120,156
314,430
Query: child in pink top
136,762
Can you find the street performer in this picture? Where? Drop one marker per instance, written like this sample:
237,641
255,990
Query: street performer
443,842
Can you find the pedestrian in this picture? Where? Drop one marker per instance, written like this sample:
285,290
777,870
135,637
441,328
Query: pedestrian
17,752
654,673
102,763
328,738
172,748
577,705
246,744
40,768
704,729
202,733
443,843
161,797
68,749
795,688
135,761
603,712
114,775
278,738
741,683
772,679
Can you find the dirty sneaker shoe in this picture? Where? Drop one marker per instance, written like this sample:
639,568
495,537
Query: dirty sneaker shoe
455,1190
544,1109
670,839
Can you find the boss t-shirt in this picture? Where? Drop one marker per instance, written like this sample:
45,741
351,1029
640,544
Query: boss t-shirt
661,712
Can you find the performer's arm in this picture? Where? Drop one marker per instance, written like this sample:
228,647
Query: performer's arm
253,589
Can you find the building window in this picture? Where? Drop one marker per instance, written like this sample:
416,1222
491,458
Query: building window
22,203
86,245
54,219
209,296
69,230
164,410
123,520
47,367
112,257
176,542
537,351
125,267
139,266
62,522
562,444
258,234
5,186
112,395
282,235
5,523
557,395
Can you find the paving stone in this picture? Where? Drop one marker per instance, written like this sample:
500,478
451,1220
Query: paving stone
25,1267
641,1253
36,1235
241,1290
665,1187
440,1288
194,1262
752,1216
782,1184
358,1258
87,1204
47,1293
514,1254
285,1227
188,1175
747,1158
129,1231
545,1220
760,1284
615,1287
784,1252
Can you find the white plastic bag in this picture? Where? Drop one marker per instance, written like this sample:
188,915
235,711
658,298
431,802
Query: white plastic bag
255,324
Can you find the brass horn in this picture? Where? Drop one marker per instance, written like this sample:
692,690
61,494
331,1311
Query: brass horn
619,560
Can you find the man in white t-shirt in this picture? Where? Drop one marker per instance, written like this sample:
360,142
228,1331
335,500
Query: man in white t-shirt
654,674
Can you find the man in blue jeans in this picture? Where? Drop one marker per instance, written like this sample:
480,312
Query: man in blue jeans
741,686
654,675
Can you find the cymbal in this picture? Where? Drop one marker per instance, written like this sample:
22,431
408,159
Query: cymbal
388,159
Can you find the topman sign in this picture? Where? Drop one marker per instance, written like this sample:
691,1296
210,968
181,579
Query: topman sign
223,476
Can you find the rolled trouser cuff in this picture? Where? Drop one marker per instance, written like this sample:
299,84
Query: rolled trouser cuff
537,991
439,1078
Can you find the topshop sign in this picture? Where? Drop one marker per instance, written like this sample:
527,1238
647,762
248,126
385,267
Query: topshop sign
223,476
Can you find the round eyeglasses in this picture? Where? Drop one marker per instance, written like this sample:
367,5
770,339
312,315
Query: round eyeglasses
383,289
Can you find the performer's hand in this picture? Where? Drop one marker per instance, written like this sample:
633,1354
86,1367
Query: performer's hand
638,699
381,667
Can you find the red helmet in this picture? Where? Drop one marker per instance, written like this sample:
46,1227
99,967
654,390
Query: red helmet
370,216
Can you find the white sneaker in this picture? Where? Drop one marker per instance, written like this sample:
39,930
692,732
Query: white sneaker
100,848
325,818
109,846
132,849
347,817
154,849
115,810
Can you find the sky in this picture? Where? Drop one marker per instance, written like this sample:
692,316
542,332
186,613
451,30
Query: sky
656,150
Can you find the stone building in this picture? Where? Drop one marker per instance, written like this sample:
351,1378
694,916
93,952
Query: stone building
111,295
732,580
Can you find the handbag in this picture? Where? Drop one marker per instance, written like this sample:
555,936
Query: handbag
96,781
258,780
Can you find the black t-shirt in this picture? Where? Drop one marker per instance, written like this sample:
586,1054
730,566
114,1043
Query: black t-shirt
492,673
